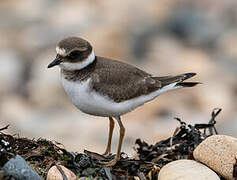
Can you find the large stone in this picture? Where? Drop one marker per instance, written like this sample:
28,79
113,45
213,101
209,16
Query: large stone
19,169
186,170
218,152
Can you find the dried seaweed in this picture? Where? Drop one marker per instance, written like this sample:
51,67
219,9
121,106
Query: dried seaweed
211,125
41,154
180,146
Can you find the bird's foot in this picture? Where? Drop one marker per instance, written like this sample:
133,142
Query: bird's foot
109,163
107,153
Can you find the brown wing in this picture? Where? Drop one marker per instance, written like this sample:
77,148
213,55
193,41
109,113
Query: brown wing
120,81
166,80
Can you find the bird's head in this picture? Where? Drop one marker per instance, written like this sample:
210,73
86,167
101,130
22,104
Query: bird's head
73,53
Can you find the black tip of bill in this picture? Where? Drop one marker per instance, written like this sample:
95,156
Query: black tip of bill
187,84
189,75
55,62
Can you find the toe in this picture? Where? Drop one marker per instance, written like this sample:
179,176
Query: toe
109,163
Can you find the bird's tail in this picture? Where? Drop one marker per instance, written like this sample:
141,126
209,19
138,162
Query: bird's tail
179,80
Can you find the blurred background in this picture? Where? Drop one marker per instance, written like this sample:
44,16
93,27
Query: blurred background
161,37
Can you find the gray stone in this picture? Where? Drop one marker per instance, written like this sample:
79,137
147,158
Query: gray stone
19,169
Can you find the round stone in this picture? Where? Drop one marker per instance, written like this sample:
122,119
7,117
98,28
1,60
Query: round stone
219,152
186,170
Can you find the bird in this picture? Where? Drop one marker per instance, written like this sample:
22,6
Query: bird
109,88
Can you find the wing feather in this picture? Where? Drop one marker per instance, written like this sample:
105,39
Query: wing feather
120,81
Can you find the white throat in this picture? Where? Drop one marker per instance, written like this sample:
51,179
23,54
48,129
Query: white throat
79,65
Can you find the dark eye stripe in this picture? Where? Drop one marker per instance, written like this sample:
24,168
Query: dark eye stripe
74,54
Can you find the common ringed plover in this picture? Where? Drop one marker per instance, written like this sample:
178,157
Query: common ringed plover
105,87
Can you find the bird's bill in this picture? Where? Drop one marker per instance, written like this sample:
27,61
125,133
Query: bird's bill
55,62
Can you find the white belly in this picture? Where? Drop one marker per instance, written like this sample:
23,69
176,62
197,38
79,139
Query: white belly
90,102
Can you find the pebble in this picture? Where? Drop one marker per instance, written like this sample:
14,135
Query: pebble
55,174
186,170
218,152
19,169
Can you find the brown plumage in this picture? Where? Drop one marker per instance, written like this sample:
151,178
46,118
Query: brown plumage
120,81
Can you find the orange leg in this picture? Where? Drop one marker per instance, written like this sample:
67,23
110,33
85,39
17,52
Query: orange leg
111,129
121,136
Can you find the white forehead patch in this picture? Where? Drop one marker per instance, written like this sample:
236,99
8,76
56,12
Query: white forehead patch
60,51
79,65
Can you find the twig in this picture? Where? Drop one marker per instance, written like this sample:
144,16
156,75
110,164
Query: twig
141,176
62,172
174,134
235,168
6,127
211,124
214,114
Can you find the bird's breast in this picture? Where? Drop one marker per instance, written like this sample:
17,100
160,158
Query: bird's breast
78,92
89,101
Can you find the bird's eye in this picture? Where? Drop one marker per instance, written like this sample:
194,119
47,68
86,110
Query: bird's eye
74,54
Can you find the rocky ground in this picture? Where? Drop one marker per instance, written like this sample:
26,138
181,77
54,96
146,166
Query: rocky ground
192,151
161,37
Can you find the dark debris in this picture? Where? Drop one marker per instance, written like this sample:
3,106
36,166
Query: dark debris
41,154
235,168
180,146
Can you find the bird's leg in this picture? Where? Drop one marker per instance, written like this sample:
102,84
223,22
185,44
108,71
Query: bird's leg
121,136
111,128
